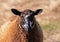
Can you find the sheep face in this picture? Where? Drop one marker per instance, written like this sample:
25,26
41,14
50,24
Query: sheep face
27,17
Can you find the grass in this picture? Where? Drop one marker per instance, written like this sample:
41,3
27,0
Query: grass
49,27
52,26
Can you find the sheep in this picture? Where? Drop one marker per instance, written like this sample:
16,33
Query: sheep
29,24
22,28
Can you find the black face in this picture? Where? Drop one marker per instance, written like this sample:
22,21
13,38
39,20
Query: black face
27,17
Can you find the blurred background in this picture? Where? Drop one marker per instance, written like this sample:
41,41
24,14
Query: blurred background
49,19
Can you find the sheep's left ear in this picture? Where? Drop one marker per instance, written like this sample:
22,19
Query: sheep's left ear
38,11
16,12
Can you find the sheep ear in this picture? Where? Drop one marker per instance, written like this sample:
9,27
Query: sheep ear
38,11
16,12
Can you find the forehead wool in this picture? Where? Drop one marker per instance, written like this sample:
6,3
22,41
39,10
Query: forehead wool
26,12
